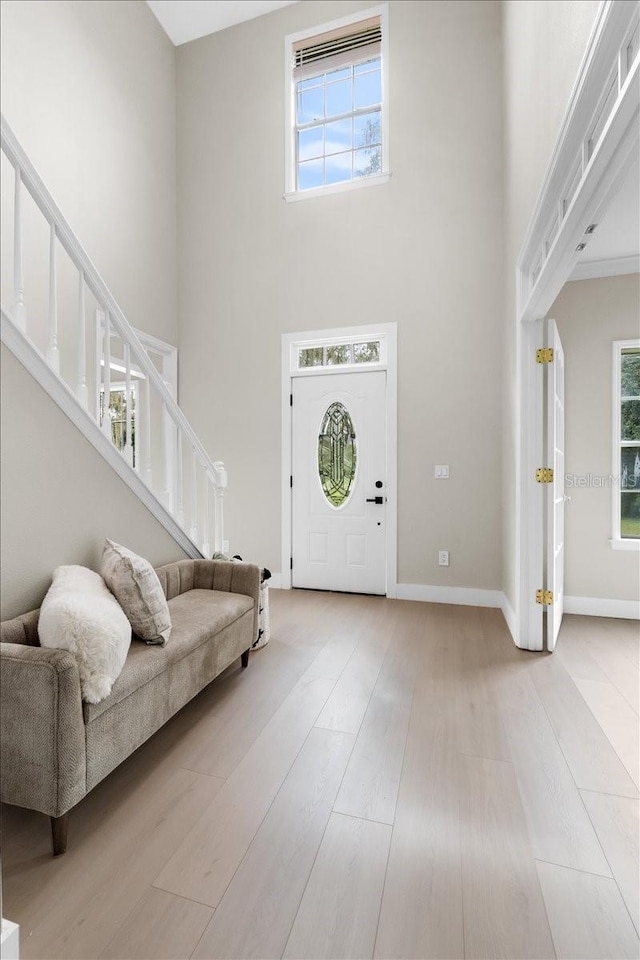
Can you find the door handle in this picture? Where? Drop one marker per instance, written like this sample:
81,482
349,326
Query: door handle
375,500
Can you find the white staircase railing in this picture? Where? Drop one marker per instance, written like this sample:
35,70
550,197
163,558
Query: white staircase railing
156,450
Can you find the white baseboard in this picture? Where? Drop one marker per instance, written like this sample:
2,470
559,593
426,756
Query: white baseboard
509,616
598,607
464,596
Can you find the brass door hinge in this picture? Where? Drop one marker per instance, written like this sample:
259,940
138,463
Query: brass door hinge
544,355
545,597
544,474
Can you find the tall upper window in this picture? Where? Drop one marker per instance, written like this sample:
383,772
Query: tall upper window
626,447
337,104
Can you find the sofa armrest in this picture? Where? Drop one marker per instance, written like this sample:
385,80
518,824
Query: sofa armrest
177,578
42,755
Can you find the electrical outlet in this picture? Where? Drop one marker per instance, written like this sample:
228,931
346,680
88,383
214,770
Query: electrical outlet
443,558
225,547
442,471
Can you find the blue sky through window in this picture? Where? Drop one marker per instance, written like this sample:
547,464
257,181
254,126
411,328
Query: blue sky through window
338,125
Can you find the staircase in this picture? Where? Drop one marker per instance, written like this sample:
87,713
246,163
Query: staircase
79,346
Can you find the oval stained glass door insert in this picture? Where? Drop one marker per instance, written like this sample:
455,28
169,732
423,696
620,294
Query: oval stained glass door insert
337,454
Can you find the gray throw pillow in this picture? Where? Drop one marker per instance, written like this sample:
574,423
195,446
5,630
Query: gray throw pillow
135,585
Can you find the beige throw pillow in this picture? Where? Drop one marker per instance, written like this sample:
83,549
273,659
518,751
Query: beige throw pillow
135,585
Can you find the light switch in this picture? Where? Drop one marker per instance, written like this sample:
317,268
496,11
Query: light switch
442,471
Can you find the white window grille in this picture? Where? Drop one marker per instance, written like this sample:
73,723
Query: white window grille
361,352
337,105
626,443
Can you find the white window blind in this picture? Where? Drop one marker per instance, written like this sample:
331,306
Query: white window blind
337,48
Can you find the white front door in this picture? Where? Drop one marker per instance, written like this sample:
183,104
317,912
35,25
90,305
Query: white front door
555,497
339,482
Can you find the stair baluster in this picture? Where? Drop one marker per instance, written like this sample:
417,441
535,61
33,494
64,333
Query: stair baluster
81,388
106,377
206,545
218,490
19,309
145,422
128,400
194,496
53,353
179,478
167,490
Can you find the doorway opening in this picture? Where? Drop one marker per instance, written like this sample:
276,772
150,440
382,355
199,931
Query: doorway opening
597,146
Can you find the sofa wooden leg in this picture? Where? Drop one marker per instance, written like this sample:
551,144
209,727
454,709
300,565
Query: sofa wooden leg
244,659
59,827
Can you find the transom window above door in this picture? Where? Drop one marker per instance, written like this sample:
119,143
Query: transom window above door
361,351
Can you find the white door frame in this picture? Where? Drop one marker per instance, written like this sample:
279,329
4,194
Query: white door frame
291,342
556,500
167,351
169,355
548,255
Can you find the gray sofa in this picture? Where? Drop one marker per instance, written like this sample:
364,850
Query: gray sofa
54,747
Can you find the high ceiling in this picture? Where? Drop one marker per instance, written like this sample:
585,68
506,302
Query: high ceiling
617,237
185,20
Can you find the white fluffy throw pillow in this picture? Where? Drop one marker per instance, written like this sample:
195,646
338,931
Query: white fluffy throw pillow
80,615
137,588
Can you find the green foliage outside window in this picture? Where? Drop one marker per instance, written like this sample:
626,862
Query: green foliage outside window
118,415
630,454
630,389
337,454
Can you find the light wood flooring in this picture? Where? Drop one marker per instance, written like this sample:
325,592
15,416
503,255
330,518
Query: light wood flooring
386,779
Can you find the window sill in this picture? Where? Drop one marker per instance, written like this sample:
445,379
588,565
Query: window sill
625,544
296,195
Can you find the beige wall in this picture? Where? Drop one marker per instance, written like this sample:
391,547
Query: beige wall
591,314
89,89
424,250
544,42
58,499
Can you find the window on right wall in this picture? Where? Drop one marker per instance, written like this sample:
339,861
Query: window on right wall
626,443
